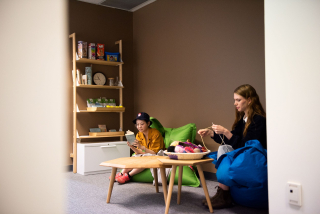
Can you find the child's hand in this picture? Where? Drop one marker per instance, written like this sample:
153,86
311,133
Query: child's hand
131,146
137,144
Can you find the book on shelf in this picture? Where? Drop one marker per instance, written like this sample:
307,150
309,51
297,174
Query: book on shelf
78,77
103,128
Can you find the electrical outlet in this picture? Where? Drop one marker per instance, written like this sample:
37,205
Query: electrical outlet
294,193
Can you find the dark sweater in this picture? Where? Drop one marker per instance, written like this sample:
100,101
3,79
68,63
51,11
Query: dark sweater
256,131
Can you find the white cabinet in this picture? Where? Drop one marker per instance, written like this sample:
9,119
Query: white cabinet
90,155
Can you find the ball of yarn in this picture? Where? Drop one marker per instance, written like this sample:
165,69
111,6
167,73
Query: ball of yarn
189,144
171,148
203,149
189,150
196,150
179,149
175,143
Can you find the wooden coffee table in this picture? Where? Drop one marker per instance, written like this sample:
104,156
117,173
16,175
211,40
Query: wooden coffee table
174,163
138,163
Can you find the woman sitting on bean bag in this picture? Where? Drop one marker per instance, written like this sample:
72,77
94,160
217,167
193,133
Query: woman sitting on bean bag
249,124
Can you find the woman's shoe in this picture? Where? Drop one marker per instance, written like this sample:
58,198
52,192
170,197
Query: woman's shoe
119,174
123,179
204,201
222,199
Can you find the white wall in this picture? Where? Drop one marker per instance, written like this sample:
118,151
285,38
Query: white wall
33,111
292,44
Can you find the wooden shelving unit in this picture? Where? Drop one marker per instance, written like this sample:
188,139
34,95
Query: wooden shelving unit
84,87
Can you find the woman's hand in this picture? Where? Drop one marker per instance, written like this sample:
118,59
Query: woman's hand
205,132
219,129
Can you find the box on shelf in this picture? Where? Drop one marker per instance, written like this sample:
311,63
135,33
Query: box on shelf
103,128
82,49
100,52
88,72
112,57
92,51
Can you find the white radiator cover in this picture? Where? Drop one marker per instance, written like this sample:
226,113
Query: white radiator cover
90,155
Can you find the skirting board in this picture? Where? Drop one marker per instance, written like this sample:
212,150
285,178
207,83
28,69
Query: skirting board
208,175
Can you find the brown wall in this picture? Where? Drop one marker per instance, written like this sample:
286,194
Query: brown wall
98,24
190,55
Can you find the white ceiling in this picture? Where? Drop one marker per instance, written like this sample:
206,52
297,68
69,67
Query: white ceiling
128,5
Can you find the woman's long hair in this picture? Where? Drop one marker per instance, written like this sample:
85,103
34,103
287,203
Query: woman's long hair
255,107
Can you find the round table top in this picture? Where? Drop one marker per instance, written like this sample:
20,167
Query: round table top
135,162
151,162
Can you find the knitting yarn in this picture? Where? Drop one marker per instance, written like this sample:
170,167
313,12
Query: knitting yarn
171,148
179,149
175,143
196,150
189,149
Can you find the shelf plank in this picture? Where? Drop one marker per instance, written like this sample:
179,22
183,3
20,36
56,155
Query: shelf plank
98,62
100,86
102,109
106,134
87,136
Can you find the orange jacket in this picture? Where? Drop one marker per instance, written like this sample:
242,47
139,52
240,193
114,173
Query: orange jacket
155,140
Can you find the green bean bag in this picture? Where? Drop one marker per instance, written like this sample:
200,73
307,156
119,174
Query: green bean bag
184,133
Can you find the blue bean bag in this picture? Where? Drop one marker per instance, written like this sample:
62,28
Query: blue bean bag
244,170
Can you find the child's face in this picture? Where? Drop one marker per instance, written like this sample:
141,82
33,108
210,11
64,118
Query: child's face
142,125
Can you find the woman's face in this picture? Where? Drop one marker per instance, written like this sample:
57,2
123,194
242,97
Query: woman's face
142,125
241,103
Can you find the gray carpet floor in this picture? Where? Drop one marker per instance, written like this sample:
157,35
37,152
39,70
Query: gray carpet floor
88,194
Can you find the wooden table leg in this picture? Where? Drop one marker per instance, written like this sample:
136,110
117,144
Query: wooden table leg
113,174
204,186
172,176
155,175
179,183
164,183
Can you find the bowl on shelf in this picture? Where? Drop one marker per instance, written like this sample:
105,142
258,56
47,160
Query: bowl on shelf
186,156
